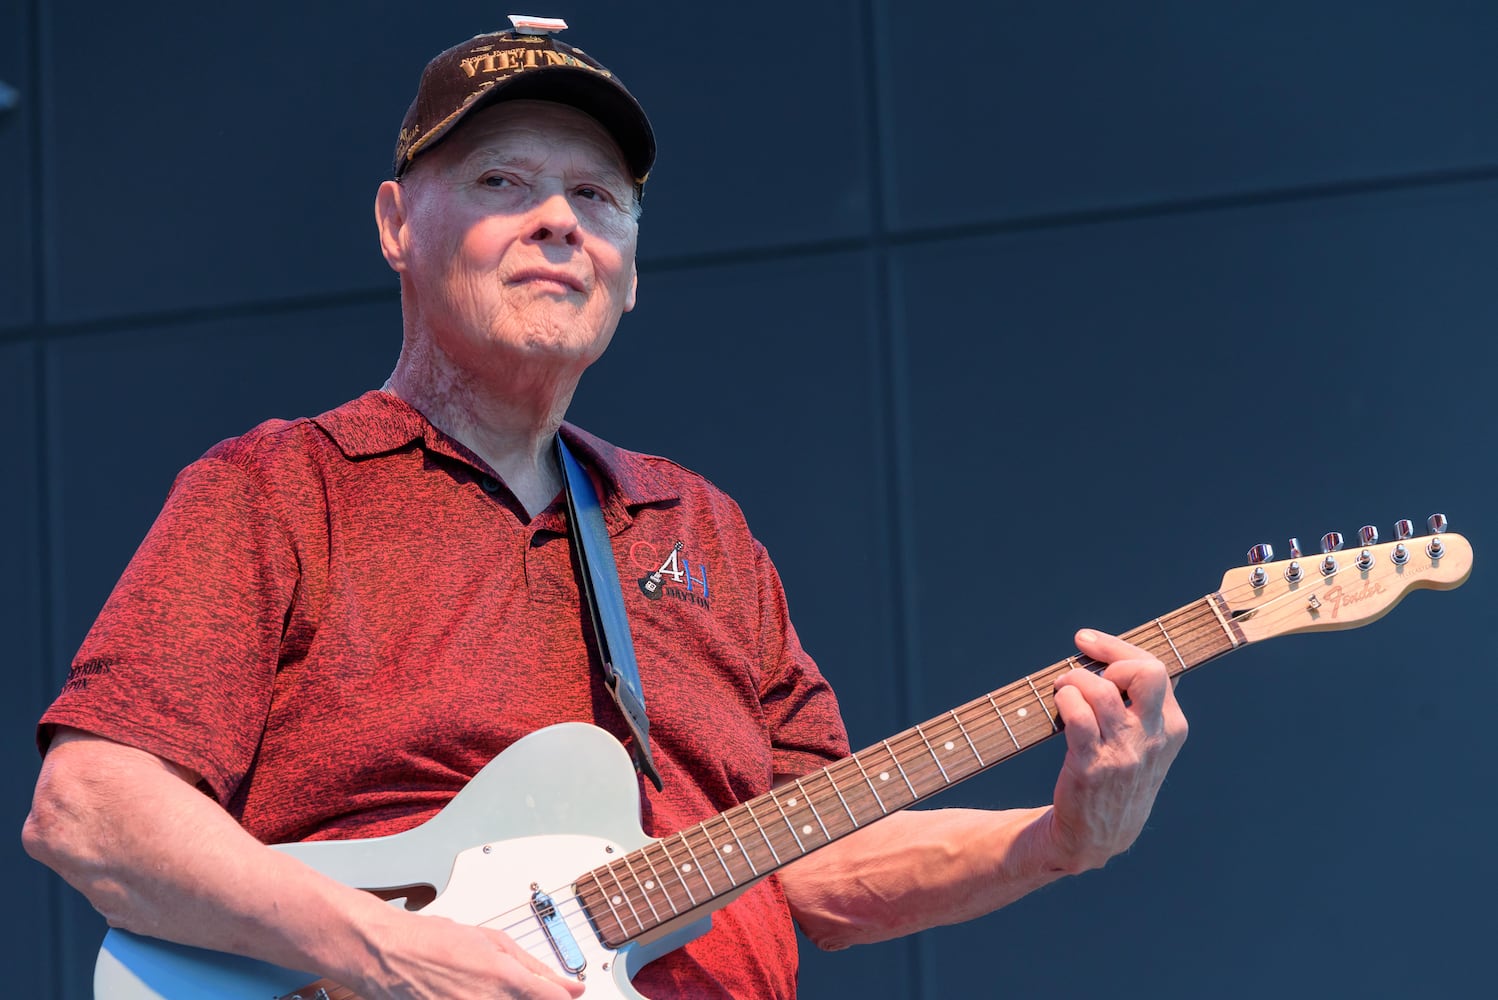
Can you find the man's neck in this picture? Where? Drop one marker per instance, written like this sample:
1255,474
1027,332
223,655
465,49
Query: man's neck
511,427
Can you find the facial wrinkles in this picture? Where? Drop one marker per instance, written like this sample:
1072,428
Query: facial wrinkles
556,156
471,237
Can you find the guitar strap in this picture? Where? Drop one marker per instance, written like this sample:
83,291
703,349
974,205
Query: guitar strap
598,582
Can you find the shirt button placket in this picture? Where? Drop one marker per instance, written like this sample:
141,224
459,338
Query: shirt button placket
545,581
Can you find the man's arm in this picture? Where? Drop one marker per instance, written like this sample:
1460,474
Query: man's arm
919,869
158,857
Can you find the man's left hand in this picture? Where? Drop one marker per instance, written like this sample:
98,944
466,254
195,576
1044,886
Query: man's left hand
1123,729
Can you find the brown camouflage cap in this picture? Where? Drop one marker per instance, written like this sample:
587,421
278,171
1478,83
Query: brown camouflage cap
510,65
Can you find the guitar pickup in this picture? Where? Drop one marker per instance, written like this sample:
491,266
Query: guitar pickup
563,944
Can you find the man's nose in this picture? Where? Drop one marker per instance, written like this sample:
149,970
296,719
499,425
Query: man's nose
555,220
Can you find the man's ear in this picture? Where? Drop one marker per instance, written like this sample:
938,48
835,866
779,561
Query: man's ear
634,288
391,206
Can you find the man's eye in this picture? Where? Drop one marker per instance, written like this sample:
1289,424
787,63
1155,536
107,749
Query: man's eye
497,180
592,193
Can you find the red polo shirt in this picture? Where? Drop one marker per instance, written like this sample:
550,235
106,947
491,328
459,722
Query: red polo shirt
337,621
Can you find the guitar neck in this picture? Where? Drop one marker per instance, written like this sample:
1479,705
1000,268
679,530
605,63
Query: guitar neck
691,870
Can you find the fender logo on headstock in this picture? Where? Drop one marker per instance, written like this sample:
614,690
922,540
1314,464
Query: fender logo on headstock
1339,596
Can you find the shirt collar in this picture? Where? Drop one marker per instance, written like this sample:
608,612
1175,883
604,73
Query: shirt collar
379,422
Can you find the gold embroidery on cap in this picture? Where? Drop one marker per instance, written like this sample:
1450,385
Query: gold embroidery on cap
516,60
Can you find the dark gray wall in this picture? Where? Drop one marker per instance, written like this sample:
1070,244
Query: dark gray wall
998,318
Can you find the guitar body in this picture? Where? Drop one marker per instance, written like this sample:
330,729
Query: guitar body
557,803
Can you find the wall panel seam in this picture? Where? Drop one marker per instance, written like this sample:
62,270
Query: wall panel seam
54,973
893,424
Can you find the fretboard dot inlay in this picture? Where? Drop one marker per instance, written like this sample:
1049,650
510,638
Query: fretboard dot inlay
760,836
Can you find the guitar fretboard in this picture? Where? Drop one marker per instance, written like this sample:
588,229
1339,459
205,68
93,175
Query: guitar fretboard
682,873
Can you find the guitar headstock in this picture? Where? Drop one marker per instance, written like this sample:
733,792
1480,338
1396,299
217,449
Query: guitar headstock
1341,588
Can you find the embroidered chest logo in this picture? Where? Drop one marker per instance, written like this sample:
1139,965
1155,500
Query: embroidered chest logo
676,577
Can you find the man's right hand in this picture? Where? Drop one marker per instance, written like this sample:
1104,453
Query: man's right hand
433,958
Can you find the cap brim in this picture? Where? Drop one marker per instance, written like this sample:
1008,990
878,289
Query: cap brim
597,96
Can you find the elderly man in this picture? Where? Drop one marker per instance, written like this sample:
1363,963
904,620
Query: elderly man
337,621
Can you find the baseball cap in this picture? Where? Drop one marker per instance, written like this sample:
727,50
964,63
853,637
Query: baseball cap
526,62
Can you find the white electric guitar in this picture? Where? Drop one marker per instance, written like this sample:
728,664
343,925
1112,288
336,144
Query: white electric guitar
545,842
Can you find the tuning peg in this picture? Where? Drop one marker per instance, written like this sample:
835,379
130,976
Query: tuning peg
1330,542
1403,530
1293,571
1261,553
1368,534
1436,549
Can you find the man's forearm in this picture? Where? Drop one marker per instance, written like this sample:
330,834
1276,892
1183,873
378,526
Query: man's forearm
919,869
156,856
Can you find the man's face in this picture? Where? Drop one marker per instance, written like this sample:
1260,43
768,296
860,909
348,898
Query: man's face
518,242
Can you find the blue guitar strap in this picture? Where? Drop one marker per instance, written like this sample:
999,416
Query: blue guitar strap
599,584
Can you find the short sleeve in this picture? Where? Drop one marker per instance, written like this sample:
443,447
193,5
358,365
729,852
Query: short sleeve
181,660
801,711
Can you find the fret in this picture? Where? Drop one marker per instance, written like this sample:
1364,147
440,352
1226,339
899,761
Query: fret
963,765
665,844
788,824
717,853
614,910
743,851
811,806
806,829
663,884
970,744
1043,707
877,799
900,767
697,864
623,894
836,790
1179,659
644,891
810,809
934,756
749,808
1000,713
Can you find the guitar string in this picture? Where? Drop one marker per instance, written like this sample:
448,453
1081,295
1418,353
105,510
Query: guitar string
911,739
1190,623
1196,619
914,740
